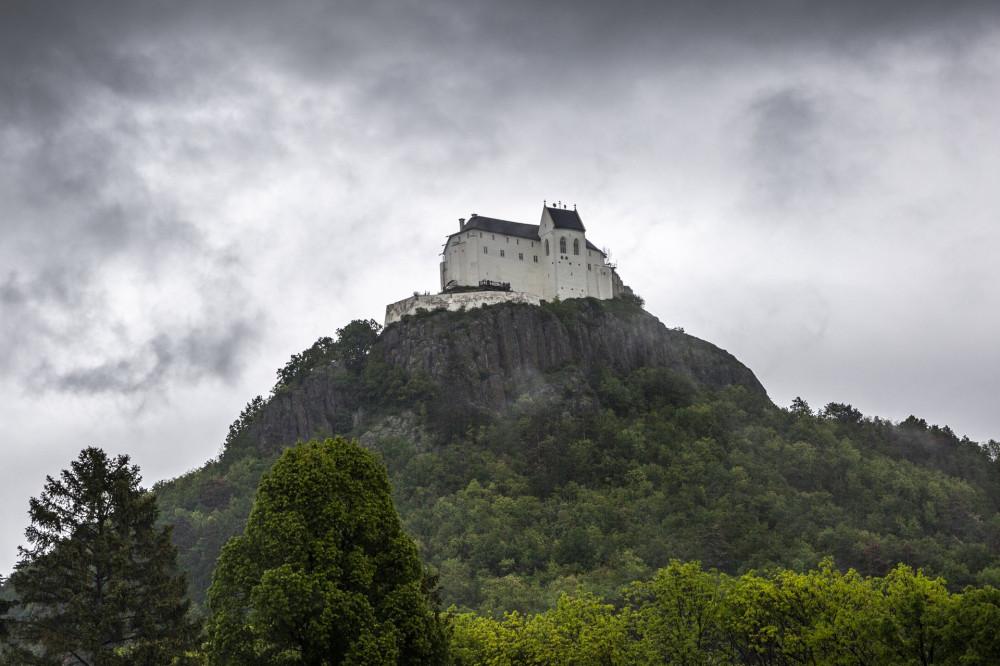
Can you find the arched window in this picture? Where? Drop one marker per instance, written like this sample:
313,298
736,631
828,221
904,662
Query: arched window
576,246
562,245
546,247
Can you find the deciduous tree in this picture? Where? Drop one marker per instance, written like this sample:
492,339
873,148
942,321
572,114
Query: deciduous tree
324,573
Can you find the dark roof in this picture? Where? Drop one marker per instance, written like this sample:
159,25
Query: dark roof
495,226
565,219
519,229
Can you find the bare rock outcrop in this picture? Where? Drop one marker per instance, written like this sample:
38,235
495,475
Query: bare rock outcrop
493,351
490,358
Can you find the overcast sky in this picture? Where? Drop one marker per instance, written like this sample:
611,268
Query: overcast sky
190,192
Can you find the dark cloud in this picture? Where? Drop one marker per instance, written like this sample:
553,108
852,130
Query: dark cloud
788,152
82,219
57,53
195,354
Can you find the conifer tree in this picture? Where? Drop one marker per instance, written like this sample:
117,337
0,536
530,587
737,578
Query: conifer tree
97,584
324,573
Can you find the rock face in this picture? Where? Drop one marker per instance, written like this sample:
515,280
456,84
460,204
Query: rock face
488,358
497,349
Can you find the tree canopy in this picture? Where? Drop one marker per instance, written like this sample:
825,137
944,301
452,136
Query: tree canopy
324,573
98,583
687,615
351,348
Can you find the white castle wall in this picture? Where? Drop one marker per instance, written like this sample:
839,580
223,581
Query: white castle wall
455,301
477,255
568,270
599,280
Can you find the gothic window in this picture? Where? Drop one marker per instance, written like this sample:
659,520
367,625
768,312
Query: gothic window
546,247
562,245
536,258
501,253
576,246
520,256
486,250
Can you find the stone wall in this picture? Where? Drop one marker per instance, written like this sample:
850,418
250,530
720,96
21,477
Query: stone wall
454,302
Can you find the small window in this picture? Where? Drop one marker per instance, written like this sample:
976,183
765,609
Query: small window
493,236
588,267
536,258
576,246
546,247
501,253
486,250
562,245
520,256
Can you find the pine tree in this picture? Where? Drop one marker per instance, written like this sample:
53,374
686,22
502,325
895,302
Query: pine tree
324,573
98,583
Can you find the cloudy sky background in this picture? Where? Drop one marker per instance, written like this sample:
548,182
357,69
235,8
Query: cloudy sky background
190,192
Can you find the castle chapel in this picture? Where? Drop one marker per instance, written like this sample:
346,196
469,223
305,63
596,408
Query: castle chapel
490,261
550,259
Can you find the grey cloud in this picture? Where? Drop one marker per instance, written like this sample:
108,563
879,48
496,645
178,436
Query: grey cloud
217,353
11,292
808,155
785,145
203,352
56,51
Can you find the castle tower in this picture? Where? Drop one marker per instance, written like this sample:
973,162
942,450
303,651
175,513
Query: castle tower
565,252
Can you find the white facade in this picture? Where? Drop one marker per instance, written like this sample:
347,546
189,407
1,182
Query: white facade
551,259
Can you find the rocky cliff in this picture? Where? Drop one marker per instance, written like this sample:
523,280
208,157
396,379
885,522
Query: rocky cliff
485,360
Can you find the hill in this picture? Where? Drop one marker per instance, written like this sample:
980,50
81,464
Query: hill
533,450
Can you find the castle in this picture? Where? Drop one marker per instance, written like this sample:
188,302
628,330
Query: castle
492,261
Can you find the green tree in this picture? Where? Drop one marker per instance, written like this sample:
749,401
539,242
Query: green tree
917,609
324,573
357,339
679,618
972,634
816,617
98,583
579,631
800,407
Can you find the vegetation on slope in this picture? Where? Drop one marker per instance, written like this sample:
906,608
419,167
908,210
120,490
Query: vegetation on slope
520,512
518,507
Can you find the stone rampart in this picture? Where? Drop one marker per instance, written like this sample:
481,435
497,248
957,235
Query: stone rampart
454,301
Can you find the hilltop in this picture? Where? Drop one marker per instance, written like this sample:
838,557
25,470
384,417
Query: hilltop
534,449
475,366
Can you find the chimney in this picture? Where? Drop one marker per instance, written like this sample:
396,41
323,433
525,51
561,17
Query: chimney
461,223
